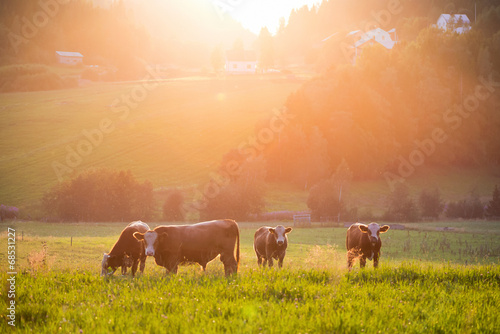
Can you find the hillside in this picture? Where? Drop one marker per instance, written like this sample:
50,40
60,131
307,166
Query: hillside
174,136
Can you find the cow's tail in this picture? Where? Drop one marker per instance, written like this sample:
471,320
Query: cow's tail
237,248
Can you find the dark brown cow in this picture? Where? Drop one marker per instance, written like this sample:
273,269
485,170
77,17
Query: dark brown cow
269,243
176,244
127,251
363,241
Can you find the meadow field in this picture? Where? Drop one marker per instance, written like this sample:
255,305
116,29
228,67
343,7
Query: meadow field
171,132
429,281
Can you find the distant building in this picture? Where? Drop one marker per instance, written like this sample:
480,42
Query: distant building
458,23
241,62
69,58
360,40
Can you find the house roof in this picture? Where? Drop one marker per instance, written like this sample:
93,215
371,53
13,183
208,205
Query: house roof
378,35
455,17
241,55
69,54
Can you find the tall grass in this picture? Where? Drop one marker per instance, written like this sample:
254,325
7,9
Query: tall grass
410,298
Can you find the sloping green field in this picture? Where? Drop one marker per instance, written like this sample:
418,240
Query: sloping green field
171,132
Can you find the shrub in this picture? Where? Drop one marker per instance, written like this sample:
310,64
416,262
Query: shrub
8,212
31,77
401,205
468,208
493,207
173,206
241,197
430,202
101,195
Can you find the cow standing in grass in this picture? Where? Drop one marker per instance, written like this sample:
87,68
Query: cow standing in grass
269,243
172,245
363,241
127,251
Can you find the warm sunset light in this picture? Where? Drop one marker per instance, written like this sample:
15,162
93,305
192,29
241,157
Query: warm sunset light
250,166
255,14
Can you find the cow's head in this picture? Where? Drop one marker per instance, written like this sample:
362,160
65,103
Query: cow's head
105,265
373,230
151,241
111,261
279,232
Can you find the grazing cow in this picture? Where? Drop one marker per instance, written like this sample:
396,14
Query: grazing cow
363,241
127,251
270,243
176,244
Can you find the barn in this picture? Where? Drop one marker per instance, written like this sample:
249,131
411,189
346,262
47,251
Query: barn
69,58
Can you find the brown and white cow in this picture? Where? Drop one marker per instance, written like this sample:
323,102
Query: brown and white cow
269,243
363,241
172,245
127,251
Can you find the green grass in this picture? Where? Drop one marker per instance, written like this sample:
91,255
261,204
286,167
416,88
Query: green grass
428,281
174,136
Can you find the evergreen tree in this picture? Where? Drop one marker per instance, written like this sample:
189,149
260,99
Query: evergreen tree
493,208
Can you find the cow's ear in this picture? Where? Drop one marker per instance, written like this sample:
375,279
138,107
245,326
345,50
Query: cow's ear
288,230
139,236
271,230
384,228
363,228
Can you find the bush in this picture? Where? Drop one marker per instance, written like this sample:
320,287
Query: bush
401,205
493,207
31,77
241,197
8,212
468,208
173,206
101,195
431,203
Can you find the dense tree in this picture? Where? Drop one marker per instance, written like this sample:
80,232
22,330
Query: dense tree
493,207
430,202
173,208
101,195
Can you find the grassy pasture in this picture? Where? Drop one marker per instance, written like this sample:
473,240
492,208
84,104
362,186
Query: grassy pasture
174,134
428,281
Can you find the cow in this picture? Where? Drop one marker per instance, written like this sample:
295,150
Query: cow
363,241
171,245
269,243
126,252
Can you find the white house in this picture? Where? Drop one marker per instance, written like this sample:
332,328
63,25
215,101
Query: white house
458,23
241,62
362,39
69,58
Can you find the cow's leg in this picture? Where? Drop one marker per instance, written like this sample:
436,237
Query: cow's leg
134,267
362,261
143,263
124,270
259,260
270,261
375,260
280,261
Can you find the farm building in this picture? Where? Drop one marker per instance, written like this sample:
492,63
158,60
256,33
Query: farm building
69,58
241,62
458,23
362,39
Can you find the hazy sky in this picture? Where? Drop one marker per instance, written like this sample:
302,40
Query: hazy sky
254,14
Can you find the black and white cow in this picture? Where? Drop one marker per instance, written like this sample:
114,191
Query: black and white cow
363,241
